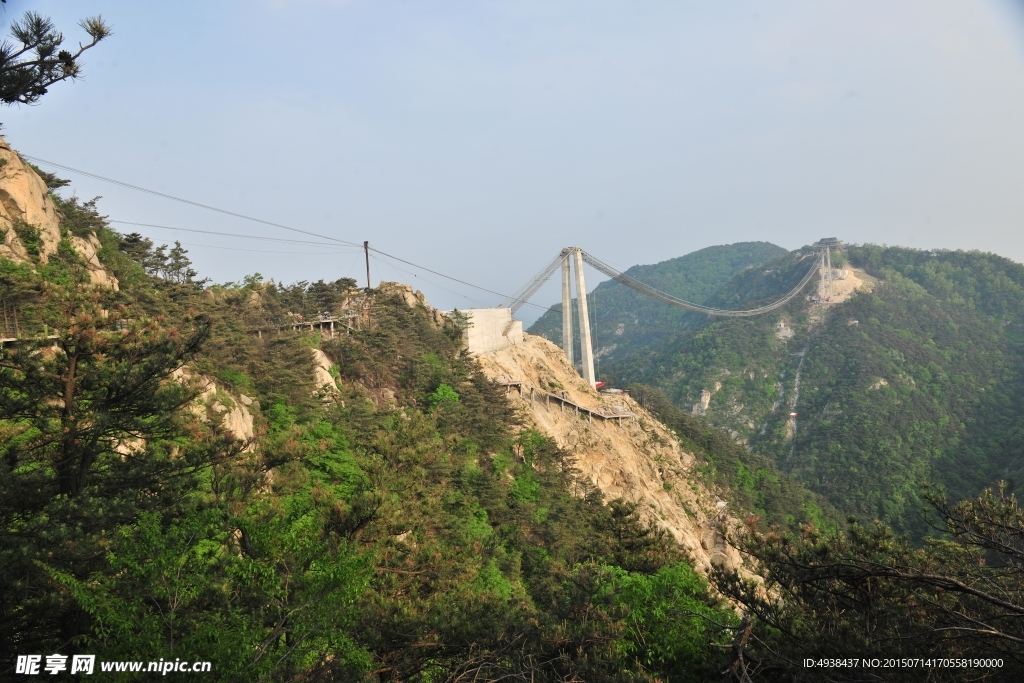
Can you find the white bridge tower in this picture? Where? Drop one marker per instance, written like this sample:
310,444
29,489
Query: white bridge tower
586,348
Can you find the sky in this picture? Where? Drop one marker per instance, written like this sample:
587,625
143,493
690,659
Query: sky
479,138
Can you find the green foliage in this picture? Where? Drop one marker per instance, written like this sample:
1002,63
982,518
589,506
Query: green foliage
443,395
404,528
915,381
738,361
51,180
80,219
920,389
327,297
92,437
752,482
34,62
670,606
235,379
30,238
869,593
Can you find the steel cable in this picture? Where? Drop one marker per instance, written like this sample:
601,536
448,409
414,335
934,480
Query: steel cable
647,290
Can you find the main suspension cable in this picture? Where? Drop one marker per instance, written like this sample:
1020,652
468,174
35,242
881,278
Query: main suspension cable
647,290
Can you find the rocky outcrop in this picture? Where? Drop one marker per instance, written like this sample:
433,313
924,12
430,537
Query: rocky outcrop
25,201
701,406
323,379
213,402
638,459
236,419
412,298
88,249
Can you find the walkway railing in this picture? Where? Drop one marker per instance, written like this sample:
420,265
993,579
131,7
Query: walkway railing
563,401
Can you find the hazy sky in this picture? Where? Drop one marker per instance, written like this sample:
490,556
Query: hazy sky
478,138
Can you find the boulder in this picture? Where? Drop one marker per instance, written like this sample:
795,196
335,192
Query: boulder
88,249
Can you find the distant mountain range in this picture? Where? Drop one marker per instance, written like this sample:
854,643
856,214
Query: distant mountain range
913,374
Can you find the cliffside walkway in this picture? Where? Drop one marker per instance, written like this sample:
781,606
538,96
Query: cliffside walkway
325,323
15,330
537,394
12,340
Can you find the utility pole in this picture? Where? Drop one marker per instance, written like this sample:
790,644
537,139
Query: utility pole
366,248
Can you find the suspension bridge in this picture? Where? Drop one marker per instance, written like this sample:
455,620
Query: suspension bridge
571,259
570,256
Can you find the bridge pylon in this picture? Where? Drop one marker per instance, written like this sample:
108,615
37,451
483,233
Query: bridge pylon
575,254
825,246
566,308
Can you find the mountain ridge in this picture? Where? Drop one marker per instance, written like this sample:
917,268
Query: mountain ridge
909,380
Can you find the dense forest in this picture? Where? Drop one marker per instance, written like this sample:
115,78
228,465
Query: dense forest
399,522
398,525
916,378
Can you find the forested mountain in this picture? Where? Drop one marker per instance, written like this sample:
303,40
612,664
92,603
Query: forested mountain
625,322
186,475
179,480
916,377
214,474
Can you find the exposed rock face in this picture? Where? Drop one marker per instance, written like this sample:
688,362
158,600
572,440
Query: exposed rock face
324,380
855,280
236,420
25,199
234,413
701,406
87,249
639,460
412,298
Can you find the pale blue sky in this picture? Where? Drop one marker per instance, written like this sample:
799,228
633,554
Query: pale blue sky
478,138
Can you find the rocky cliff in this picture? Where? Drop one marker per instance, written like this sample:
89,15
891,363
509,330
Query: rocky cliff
637,458
26,207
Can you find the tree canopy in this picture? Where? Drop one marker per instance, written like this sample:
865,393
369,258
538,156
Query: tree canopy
34,61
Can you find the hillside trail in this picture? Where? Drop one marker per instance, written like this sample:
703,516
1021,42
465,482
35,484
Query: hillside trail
636,458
